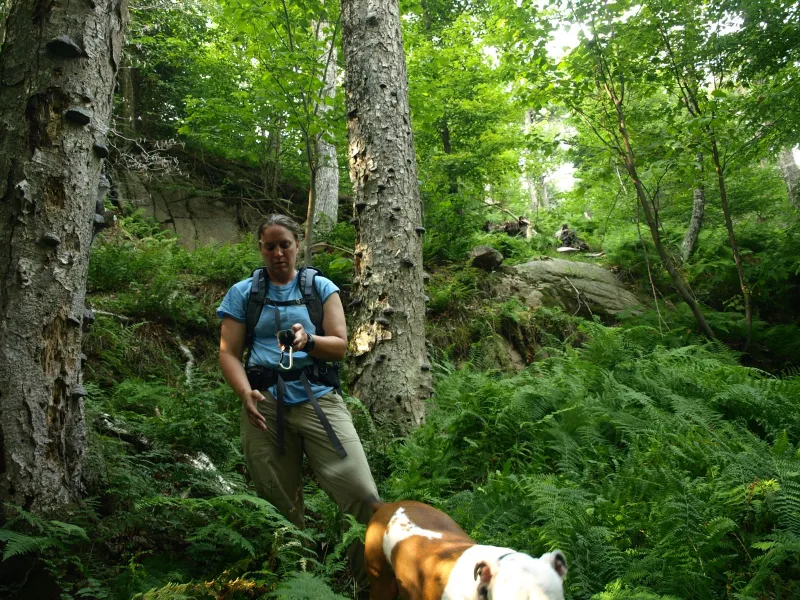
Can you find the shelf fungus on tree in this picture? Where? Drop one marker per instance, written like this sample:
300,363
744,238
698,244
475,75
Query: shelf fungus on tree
78,115
64,47
50,239
88,319
101,150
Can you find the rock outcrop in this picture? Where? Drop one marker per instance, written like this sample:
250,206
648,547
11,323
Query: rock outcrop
577,287
196,215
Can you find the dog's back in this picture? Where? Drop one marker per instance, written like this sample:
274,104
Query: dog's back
420,552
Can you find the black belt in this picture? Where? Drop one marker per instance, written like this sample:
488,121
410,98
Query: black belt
261,378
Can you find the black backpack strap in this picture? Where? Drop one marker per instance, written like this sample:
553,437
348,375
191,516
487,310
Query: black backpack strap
324,373
255,304
323,419
311,297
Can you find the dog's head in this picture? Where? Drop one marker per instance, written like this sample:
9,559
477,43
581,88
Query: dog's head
518,576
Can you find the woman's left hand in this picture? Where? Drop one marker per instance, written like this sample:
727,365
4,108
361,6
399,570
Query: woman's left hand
300,337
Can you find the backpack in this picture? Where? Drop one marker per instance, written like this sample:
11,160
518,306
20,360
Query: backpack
326,373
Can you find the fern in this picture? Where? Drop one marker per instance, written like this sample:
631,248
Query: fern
304,586
18,544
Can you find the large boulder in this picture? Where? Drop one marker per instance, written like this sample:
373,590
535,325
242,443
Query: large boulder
577,287
485,257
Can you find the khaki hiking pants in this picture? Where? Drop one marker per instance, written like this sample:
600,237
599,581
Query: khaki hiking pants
278,479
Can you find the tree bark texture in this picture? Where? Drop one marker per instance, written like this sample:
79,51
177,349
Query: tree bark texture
326,175
698,211
57,71
390,371
791,175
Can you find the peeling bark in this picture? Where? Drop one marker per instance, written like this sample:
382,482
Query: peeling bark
390,371
57,71
698,211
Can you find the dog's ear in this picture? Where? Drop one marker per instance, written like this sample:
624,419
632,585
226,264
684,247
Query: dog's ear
557,561
483,570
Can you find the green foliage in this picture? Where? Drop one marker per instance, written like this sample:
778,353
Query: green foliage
304,586
52,534
660,472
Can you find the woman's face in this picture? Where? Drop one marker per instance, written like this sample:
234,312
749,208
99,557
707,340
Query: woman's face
279,250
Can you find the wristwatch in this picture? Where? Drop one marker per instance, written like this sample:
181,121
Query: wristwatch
310,343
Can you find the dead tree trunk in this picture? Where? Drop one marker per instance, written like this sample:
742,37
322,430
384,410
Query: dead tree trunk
326,183
791,174
698,211
390,370
57,73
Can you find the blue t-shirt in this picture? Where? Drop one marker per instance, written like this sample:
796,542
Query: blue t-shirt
266,351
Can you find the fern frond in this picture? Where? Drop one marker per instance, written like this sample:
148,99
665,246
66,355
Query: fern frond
18,544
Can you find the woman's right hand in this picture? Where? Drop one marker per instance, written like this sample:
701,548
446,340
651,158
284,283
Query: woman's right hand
250,401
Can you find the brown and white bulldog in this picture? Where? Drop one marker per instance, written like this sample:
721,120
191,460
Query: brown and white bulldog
420,553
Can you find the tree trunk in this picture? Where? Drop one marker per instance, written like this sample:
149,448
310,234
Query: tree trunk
3,16
390,370
277,132
444,133
530,178
677,278
737,257
57,72
698,210
326,178
791,174
545,199
127,113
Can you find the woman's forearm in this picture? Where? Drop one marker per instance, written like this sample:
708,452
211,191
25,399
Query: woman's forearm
328,347
233,372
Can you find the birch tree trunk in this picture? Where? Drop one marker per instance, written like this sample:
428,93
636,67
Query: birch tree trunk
57,71
545,199
791,174
326,183
4,9
698,211
530,179
390,371
127,113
